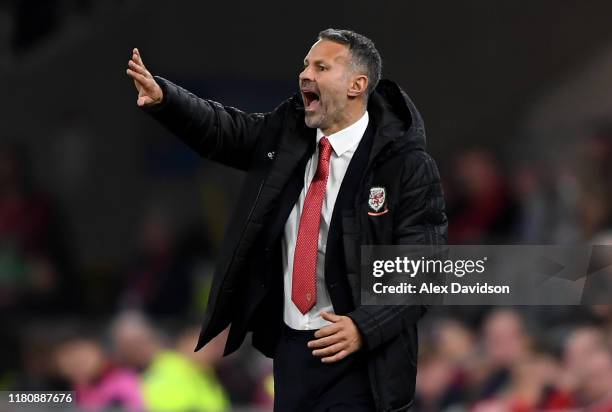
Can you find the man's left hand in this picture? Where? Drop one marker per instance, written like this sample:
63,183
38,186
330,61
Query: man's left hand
336,341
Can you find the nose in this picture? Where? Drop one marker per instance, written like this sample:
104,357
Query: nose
306,74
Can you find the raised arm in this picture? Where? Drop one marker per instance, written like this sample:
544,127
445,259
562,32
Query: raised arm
220,133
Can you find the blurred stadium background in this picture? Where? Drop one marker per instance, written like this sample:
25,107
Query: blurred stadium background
109,226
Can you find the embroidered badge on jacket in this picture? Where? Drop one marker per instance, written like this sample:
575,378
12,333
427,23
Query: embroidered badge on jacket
377,201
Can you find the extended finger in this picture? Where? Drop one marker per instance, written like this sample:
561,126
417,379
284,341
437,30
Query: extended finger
335,358
326,341
327,330
137,76
332,317
137,58
330,350
137,61
137,68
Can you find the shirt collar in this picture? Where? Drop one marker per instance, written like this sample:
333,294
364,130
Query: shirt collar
347,138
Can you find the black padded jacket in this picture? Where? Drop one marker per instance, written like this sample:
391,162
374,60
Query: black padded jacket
267,146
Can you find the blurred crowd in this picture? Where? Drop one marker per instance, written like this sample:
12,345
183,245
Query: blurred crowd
560,195
516,360
125,337
131,364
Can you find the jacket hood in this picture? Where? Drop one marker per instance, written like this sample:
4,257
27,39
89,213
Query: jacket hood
396,116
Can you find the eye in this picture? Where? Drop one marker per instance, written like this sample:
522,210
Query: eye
322,68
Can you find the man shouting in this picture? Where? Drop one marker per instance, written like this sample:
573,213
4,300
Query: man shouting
339,165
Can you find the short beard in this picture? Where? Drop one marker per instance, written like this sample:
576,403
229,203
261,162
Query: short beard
325,118
313,122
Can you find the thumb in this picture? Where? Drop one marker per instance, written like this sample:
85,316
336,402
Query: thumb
143,100
332,317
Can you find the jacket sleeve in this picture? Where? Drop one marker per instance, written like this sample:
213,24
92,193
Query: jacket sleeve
420,220
220,133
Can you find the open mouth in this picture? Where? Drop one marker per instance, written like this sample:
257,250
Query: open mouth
311,100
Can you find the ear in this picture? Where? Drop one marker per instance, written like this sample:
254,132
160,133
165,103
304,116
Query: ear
358,85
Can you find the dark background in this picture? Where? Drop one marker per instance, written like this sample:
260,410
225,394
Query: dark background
101,210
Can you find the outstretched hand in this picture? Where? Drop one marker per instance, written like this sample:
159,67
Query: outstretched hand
336,341
149,92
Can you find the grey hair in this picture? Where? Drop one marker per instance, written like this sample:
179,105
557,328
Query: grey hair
364,55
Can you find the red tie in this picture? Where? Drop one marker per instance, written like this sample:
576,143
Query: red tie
304,283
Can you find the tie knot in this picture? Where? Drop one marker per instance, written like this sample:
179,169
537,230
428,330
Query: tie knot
325,148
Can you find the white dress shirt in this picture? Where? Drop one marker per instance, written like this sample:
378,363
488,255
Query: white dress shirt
344,143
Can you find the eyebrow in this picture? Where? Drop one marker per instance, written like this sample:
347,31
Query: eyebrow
316,61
